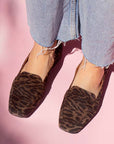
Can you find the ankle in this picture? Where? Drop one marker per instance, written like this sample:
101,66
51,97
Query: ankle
46,51
86,64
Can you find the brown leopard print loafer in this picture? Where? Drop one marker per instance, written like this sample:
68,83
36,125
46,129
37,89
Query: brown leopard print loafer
80,106
27,90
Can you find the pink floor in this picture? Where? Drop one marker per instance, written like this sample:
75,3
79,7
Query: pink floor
42,126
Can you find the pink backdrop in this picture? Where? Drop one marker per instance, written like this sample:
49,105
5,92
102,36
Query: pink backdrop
42,126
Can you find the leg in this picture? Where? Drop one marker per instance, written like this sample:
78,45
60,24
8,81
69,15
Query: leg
44,20
97,30
82,102
28,88
97,42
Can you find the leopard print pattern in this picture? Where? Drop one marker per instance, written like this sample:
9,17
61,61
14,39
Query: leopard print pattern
26,94
79,107
27,90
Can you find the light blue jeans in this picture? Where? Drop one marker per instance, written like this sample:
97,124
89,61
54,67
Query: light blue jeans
66,20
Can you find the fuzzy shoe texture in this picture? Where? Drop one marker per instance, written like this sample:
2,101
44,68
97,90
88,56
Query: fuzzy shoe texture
79,107
27,90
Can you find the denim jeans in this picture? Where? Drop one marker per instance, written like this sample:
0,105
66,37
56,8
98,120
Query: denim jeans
66,20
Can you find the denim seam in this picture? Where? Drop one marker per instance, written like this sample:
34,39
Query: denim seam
73,18
77,18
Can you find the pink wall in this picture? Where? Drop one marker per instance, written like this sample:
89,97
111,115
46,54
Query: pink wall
42,126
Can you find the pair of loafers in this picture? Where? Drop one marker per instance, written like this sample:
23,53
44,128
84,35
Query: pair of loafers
78,108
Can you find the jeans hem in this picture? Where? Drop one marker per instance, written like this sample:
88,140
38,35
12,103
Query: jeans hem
106,66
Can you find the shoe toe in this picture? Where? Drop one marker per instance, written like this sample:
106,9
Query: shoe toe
26,94
77,110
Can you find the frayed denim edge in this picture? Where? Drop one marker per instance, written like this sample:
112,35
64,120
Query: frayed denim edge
85,60
64,42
